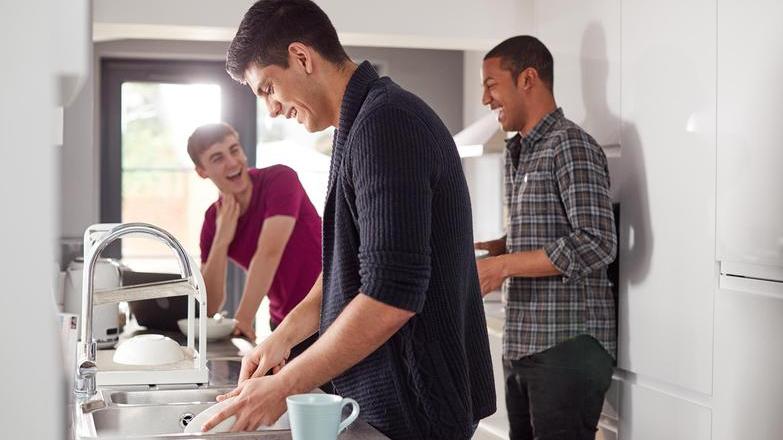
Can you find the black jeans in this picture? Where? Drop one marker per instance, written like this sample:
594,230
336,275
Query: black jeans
558,394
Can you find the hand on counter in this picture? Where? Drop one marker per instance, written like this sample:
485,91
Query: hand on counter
245,328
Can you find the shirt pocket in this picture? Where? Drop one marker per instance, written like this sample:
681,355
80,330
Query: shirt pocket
536,193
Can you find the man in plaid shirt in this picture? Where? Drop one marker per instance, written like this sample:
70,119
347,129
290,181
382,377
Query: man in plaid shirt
559,342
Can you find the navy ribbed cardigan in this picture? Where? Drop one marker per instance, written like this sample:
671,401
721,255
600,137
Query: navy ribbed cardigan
397,227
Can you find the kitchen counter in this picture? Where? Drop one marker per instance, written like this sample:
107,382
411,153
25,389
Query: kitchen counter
224,363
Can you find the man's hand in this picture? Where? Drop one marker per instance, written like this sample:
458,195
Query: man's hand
259,401
226,222
492,273
495,247
269,354
245,328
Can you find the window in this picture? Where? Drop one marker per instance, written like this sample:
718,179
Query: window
148,110
159,185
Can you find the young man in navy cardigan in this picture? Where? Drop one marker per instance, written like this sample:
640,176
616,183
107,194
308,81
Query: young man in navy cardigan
398,305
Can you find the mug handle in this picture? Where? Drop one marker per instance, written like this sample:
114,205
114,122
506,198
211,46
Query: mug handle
354,414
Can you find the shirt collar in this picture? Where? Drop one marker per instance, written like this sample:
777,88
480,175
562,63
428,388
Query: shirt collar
542,128
355,93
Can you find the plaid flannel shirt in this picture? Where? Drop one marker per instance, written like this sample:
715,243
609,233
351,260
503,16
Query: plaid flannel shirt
557,196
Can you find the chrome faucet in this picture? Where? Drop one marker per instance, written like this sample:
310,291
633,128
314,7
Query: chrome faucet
86,370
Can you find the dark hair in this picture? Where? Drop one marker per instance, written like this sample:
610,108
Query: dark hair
518,53
270,26
206,136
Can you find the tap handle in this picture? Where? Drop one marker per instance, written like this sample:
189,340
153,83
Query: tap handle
85,378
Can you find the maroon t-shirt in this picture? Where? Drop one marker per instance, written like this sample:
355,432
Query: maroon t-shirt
276,191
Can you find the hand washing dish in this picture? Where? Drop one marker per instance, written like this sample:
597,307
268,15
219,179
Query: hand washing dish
216,328
195,425
148,350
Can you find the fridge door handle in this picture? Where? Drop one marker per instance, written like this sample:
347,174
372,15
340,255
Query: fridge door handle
769,288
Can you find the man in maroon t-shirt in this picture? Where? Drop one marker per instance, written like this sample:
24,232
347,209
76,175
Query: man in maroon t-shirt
263,221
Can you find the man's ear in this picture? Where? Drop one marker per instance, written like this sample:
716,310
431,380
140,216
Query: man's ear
201,172
527,78
301,55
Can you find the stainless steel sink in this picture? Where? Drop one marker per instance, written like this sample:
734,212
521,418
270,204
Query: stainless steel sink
158,420
162,397
153,413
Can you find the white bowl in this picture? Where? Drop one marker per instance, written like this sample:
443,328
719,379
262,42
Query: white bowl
148,350
195,424
216,329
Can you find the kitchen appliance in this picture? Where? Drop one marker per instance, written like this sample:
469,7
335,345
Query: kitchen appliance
105,316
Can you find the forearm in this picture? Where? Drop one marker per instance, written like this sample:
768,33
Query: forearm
365,322
303,321
530,264
260,274
214,273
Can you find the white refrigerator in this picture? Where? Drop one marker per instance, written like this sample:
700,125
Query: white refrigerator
748,371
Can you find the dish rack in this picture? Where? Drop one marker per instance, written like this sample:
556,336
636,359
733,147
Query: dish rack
193,368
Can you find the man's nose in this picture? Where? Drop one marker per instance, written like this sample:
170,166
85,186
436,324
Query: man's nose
274,107
486,99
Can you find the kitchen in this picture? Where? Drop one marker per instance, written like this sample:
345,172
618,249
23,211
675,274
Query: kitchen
661,86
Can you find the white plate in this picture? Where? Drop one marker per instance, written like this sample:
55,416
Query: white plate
216,330
195,425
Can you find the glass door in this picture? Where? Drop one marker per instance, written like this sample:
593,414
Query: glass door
149,109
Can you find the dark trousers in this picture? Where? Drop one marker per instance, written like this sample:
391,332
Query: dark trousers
558,394
299,349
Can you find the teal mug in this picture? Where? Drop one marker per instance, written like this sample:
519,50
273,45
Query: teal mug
317,416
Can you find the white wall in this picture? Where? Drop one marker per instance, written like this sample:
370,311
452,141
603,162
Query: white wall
436,24
33,403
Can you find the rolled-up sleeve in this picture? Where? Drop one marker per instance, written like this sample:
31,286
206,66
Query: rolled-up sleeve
393,169
582,178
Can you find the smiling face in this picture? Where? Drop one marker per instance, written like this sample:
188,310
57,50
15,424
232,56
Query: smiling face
504,94
292,92
225,164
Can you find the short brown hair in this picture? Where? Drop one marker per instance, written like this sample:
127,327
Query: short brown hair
206,136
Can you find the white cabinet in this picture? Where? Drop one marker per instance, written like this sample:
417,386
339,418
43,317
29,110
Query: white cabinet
748,363
667,191
750,141
647,414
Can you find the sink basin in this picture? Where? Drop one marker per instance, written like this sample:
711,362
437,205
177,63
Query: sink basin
161,397
162,420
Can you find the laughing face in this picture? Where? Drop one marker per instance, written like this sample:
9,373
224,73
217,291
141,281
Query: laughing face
290,92
504,95
225,164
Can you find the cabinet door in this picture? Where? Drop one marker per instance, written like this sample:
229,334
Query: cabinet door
666,178
750,141
748,361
